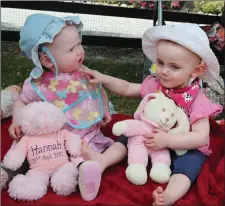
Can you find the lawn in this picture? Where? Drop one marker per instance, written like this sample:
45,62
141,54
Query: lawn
123,63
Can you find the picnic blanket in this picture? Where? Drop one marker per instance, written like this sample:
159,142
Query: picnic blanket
117,190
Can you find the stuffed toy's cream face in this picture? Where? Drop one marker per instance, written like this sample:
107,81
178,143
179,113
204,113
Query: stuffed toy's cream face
162,111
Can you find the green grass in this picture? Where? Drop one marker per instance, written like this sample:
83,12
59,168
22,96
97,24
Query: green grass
129,71
15,68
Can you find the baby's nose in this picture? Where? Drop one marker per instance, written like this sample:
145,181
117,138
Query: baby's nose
167,119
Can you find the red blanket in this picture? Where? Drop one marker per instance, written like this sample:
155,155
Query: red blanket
116,190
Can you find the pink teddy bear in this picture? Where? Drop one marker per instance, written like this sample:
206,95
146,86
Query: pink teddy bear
154,111
45,145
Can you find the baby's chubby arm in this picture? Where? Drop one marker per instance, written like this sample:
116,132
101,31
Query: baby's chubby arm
196,138
15,129
28,95
105,100
118,86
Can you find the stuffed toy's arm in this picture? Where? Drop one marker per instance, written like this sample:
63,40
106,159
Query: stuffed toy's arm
72,143
130,128
183,125
16,155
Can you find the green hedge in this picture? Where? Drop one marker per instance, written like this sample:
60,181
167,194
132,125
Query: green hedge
209,7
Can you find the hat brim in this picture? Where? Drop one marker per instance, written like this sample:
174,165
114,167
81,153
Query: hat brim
193,43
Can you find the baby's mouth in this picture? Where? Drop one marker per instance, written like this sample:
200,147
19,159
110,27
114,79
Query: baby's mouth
165,80
80,60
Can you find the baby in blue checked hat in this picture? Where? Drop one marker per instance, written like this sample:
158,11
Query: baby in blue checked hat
54,46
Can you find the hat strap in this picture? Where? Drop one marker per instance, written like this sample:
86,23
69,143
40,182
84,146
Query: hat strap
46,51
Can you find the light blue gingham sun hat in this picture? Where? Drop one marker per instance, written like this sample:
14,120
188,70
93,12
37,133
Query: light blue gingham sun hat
39,29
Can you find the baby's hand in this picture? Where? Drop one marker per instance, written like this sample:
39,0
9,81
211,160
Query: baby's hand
156,140
107,118
15,131
165,129
94,77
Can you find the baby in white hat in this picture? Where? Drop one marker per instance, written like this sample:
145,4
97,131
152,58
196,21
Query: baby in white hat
182,56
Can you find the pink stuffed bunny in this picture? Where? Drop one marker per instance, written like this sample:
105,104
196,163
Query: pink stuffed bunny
45,145
154,111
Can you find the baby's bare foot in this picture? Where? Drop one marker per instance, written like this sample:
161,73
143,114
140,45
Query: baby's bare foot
159,197
90,154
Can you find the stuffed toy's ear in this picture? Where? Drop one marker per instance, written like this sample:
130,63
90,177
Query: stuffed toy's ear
140,109
143,103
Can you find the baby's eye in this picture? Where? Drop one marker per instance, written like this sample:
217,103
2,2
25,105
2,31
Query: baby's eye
160,62
163,109
175,67
172,115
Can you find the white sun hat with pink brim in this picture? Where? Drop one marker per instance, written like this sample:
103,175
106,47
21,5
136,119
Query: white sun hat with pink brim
188,35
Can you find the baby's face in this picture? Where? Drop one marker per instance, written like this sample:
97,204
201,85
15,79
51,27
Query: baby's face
67,50
175,64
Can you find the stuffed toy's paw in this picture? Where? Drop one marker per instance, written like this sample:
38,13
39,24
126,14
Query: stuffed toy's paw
73,145
29,187
13,159
119,128
180,152
160,173
136,174
64,181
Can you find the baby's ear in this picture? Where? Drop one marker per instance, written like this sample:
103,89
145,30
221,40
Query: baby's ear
199,70
46,61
